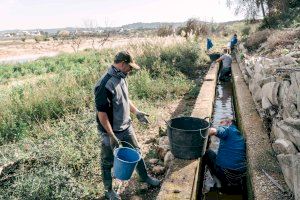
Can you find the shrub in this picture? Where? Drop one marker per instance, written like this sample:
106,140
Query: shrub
246,31
38,39
282,38
256,39
165,31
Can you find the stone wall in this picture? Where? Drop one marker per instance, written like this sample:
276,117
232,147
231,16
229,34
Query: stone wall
275,89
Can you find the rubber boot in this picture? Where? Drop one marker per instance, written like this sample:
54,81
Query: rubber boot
142,172
111,194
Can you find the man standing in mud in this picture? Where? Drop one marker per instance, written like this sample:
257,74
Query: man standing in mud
113,109
225,71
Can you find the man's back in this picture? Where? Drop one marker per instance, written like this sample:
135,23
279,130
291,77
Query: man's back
227,60
232,150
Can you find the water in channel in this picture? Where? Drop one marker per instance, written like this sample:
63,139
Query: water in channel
223,108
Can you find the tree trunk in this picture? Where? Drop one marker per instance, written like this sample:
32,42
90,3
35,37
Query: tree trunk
283,6
262,8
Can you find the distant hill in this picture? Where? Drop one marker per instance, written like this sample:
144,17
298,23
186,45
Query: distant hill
152,25
137,26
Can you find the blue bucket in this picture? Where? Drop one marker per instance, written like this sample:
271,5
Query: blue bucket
125,161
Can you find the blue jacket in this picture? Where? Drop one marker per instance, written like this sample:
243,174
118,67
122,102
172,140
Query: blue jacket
209,44
232,149
233,41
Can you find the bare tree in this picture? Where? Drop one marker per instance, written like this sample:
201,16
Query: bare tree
76,41
250,8
95,34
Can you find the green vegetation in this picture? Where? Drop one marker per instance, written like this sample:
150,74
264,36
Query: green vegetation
48,127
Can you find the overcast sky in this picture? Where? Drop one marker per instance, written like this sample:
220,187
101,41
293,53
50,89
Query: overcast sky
31,14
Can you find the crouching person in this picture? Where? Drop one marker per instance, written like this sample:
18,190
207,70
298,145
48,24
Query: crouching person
113,109
229,164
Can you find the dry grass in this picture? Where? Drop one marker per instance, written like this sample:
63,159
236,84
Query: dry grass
256,39
283,38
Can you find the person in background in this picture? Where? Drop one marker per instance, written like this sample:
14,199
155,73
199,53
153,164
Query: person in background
209,44
233,42
113,108
229,164
226,60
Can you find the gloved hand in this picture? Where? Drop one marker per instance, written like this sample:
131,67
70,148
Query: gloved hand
114,142
142,117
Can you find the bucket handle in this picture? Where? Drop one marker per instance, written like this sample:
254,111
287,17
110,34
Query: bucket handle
130,146
127,143
207,127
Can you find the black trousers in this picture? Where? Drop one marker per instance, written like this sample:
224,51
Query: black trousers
225,74
228,177
107,157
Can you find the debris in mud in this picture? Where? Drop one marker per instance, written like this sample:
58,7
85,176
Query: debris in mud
169,157
153,161
158,169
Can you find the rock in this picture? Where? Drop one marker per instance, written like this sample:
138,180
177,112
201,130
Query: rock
246,78
290,165
265,103
153,161
135,197
290,111
279,134
270,91
282,146
162,151
293,122
150,140
296,175
163,141
294,54
249,72
257,76
285,162
256,95
162,132
169,157
158,169
283,90
287,60
143,186
266,80
291,132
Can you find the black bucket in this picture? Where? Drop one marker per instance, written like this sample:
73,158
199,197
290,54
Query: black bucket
187,136
214,56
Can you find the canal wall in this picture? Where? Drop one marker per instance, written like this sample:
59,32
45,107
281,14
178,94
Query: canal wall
274,85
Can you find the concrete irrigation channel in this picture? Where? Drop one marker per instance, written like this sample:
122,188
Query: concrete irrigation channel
264,179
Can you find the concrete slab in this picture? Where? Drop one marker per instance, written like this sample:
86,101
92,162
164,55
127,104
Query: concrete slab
183,176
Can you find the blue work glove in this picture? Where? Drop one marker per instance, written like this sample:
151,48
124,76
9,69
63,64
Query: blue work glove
142,117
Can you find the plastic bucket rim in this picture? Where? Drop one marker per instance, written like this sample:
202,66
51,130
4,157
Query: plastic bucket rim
188,130
117,149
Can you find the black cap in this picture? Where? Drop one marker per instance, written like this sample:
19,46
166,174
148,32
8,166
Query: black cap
124,56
